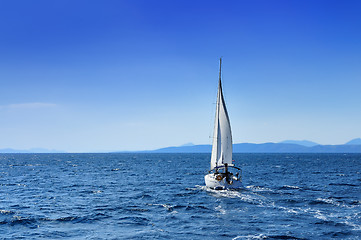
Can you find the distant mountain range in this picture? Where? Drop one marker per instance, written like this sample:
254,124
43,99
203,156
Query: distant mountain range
356,141
302,143
288,146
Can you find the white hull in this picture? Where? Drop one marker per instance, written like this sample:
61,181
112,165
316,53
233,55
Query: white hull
213,183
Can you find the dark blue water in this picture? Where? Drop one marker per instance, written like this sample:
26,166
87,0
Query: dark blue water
162,196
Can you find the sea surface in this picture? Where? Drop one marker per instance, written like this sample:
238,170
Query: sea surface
163,196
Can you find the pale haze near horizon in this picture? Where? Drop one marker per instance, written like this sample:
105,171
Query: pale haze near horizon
90,76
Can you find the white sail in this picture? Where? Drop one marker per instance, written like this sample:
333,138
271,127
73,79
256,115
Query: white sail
222,136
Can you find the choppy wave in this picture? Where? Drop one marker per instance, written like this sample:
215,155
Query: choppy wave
262,236
288,187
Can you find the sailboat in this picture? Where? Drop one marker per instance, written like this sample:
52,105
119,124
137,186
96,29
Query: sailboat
223,174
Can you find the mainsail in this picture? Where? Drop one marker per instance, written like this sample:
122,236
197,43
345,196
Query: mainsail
222,136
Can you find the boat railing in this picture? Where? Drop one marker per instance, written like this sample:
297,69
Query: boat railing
221,167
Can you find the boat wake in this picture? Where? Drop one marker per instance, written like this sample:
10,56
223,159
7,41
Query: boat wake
259,196
245,195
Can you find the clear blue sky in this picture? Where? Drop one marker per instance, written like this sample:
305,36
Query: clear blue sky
99,75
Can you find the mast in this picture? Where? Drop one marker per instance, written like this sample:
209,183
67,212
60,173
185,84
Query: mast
219,97
220,70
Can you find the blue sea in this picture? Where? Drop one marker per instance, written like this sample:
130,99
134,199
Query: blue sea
163,196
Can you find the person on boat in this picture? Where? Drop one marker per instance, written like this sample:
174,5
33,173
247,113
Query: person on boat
227,174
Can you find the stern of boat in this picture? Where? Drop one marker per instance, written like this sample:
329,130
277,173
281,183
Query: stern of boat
218,182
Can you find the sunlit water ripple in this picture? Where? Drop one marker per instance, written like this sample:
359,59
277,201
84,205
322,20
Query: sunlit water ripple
162,196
